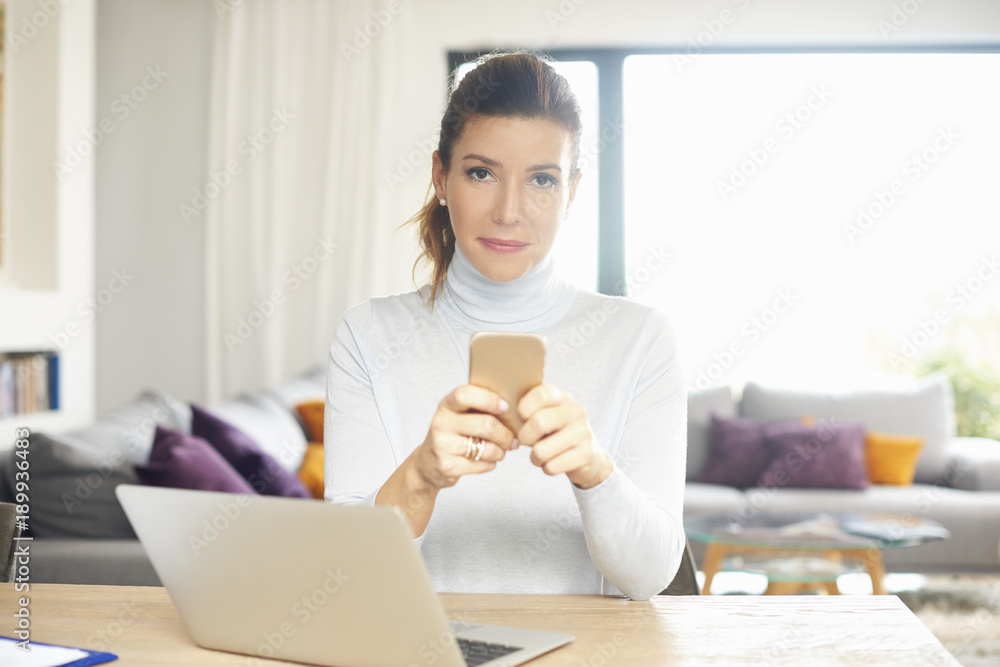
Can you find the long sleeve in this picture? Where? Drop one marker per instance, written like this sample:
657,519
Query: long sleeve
357,457
633,520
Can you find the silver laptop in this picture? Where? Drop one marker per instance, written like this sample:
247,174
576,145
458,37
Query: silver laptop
310,582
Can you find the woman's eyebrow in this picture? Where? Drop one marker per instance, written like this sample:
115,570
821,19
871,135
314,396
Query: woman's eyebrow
475,156
494,163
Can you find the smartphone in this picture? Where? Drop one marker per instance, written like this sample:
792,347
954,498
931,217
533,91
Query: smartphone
511,364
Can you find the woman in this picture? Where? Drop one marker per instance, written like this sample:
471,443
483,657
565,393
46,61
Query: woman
547,509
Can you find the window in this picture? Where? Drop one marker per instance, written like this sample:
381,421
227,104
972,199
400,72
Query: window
825,214
800,215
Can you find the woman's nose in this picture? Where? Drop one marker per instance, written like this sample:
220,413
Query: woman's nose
508,205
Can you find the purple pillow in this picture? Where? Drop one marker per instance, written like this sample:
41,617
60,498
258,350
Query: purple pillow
737,450
828,456
186,462
262,471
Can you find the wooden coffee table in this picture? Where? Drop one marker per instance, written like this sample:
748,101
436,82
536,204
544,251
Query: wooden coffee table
776,541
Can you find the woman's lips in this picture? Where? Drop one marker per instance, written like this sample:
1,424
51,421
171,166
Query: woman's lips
503,245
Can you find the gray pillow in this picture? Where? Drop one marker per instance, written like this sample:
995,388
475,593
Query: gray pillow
73,489
925,408
129,429
701,405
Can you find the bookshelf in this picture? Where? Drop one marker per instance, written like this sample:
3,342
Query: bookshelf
49,228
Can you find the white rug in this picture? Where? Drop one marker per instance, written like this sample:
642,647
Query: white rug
963,612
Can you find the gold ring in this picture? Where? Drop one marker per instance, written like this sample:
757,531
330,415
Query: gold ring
474,444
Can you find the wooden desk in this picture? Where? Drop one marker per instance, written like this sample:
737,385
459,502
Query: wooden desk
141,625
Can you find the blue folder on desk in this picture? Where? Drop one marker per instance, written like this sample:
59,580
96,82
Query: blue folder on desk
49,655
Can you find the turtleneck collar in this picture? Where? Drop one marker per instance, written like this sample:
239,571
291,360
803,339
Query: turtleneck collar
533,302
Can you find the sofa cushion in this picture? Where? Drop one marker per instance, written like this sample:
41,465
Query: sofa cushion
925,408
307,387
117,562
701,404
828,456
891,459
737,451
974,464
269,423
312,414
711,499
129,429
73,489
311,472
264,474
183,461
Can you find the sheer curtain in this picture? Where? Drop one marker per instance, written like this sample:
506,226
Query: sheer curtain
304,118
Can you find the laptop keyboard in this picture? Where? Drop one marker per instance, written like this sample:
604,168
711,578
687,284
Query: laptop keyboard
478,653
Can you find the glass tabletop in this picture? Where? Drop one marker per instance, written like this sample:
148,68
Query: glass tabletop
792,568
806,531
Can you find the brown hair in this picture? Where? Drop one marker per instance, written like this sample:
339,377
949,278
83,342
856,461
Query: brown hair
519,85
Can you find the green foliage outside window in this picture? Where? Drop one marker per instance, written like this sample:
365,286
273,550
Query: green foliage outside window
977,391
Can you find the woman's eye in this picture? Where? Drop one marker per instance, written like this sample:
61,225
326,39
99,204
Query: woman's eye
478,173
544,180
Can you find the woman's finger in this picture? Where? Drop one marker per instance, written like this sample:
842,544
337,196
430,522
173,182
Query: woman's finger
483,426
548,420
542,396
555,445
468,397
475,450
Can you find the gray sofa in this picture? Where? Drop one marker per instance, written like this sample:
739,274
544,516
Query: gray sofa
82,536
80,533
957,481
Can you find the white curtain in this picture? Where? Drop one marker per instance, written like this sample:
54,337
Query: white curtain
307,117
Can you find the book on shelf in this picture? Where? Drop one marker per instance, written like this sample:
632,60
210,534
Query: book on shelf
29,382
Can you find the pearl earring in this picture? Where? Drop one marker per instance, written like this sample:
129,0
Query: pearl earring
442,202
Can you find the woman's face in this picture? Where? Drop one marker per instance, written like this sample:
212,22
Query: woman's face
507,190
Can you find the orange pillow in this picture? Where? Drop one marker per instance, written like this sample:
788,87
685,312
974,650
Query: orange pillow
312,413
892,459
311,471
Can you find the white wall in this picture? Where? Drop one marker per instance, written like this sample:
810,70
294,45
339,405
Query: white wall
49,97
651,23
152,334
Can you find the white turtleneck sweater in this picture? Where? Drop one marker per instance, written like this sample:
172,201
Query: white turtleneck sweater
516,529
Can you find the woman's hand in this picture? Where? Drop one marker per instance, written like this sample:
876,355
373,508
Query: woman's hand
557,430
468,411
